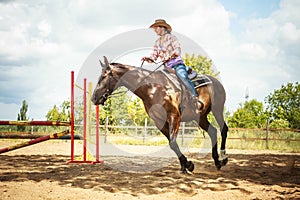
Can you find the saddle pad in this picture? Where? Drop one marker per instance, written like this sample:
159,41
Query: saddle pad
198,81
172,77
201,80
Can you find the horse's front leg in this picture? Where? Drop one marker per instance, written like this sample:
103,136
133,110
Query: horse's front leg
185,164
173,130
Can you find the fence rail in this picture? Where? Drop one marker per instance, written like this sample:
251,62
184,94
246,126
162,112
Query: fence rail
266,136
240,138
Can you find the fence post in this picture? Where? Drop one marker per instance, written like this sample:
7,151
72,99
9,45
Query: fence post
267,135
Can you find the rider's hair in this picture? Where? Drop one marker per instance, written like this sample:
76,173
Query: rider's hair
167,30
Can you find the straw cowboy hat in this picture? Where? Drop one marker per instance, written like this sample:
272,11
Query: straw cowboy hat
161,22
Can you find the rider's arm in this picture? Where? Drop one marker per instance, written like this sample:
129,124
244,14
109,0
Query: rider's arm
176,49
155,54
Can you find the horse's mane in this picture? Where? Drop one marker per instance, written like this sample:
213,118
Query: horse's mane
123,66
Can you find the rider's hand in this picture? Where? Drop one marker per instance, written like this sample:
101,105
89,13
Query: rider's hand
166,59
147,59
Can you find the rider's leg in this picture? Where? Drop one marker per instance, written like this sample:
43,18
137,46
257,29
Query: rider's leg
183,76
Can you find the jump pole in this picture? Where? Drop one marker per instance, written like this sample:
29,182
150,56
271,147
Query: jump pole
97,133
97,136
35,141
72,115
72,122
35,123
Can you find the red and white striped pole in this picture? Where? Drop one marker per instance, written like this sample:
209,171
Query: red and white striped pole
72,115
34,141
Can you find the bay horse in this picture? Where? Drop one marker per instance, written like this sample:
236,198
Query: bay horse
167,105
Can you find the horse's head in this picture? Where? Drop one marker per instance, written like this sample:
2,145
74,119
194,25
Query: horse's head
106,83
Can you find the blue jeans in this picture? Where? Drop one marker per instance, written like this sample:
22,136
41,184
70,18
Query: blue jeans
183,76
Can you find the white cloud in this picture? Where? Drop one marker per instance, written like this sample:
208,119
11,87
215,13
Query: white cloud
41,42
252,50
44,28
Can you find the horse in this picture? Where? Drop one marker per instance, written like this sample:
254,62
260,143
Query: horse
167,105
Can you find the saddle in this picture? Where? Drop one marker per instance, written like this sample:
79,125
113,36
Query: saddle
198,80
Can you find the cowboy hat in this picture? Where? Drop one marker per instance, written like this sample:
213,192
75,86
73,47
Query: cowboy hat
161,22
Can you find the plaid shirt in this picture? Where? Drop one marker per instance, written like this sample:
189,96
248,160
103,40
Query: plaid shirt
166,47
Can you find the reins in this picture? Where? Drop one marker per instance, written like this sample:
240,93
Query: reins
162,63
123,92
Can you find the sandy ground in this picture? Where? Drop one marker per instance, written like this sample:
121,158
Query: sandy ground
41,172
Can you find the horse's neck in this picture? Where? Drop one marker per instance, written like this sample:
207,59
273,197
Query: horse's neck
134,79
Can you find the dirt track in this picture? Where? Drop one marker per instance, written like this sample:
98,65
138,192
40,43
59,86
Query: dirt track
41,172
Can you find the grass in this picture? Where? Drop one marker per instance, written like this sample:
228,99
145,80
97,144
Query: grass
286,141
129,140
245,139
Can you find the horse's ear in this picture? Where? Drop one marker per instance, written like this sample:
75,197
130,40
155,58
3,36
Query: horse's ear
102,65
106,61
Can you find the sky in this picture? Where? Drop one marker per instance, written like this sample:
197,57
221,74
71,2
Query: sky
254,44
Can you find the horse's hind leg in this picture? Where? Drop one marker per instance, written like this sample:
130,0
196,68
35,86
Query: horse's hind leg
212,132
218,113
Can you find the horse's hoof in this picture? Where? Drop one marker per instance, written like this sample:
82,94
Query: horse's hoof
190,166
224,161
183,171
218,165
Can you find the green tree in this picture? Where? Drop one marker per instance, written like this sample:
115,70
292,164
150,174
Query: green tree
59,114
201,64
53,114
249,115
115,108
279,123
137,112
106,112
119,104
22,116
283,104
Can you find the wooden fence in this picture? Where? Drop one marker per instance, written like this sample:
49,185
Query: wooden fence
188,132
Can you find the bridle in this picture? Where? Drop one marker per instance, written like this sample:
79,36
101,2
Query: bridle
108,90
